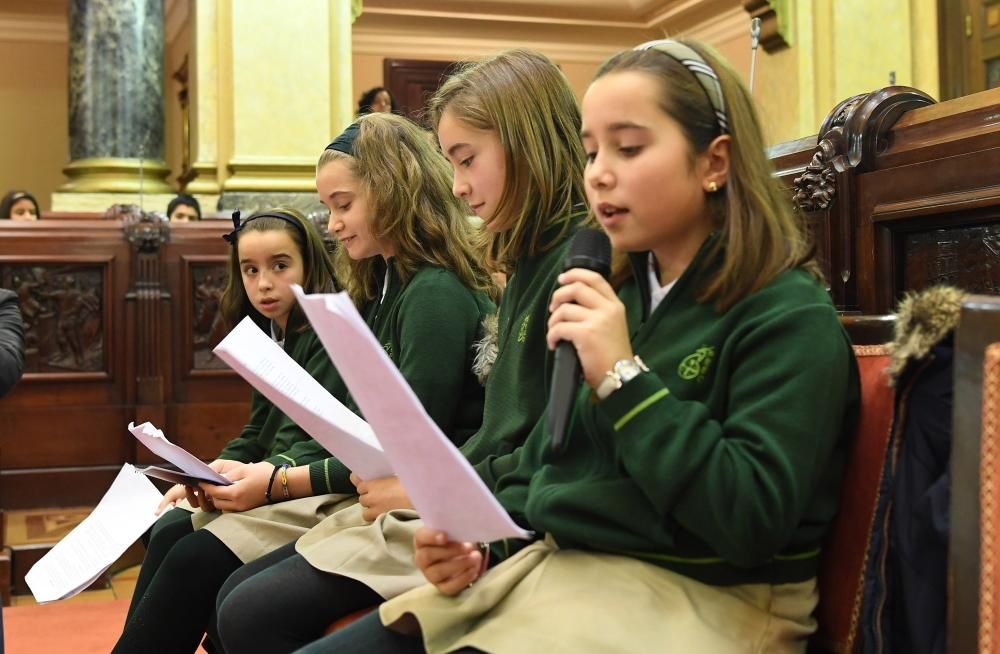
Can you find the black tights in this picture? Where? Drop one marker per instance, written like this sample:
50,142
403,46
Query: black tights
368,636
172,526
172,611
280,602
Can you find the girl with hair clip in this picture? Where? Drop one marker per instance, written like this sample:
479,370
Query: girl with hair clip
702,469
509,127
407,259
271,250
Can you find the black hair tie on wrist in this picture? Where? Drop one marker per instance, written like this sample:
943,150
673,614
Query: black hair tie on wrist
270,482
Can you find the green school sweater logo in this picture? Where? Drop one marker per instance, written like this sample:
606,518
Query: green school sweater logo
695,366
388,348
522,333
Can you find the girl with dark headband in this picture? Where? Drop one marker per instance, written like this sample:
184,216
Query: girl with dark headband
703,463
269,252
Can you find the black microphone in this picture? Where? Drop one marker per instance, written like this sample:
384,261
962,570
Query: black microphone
589,249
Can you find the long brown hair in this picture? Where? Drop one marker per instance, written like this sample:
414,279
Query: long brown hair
407,183
525,99
759,236
318,269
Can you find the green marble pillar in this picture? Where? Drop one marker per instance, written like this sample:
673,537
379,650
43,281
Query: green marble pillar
116,110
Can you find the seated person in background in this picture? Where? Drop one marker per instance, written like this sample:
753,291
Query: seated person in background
11,341
19,205
183,209
376,100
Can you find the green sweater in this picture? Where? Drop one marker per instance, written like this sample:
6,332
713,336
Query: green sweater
270,435
517,385
427,326
724,462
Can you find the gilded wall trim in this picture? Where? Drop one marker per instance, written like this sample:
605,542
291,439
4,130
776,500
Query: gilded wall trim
444,48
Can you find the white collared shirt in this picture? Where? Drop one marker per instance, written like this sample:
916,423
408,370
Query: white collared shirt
656,292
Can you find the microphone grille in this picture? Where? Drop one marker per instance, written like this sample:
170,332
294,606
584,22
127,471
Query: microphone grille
590,248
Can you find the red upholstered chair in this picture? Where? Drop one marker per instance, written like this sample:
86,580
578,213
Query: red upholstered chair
845,552
348,619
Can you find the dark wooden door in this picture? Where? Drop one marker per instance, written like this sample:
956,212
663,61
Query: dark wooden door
412,81
969,46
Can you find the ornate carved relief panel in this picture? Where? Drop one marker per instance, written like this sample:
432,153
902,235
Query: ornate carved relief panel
62,305
206,328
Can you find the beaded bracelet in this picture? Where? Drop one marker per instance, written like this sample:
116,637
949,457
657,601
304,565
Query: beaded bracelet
270,482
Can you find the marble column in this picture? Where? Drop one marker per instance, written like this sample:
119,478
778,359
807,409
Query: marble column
116,110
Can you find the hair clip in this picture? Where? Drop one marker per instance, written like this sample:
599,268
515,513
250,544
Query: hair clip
231,236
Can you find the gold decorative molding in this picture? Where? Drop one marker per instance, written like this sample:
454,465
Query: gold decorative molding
436,14
277,175
116,175
99,202
726,26
200,178
447,48
775,15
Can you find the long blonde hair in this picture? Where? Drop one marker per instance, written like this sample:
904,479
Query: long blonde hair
759,236
525,99
407,183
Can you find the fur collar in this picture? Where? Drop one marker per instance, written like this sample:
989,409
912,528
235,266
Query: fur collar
486,348
922,319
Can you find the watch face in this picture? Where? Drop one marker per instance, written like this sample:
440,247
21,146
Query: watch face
626,369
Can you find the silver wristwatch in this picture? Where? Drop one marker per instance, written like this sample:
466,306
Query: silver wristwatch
621,372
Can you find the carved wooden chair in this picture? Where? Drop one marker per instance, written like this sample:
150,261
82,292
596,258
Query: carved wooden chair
974,542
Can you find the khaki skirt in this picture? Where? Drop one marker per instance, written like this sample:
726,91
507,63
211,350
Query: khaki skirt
379,554
548,600
254,533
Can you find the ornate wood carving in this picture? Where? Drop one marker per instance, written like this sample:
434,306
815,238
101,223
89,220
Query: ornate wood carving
850,137
61,306
771,36
147,232
207,328
966,257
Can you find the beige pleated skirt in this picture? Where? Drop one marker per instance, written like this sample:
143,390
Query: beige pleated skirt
545,599
254,533
379,554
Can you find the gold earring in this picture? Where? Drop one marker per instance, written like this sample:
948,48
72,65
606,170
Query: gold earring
712,187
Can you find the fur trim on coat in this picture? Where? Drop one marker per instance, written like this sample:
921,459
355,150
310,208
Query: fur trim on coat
922,319
486,348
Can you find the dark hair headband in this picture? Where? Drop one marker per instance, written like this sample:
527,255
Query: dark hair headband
238,226
345,142
707,78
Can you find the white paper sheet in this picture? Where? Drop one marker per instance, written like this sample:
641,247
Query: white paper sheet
441,483
269,369
124,513
189,464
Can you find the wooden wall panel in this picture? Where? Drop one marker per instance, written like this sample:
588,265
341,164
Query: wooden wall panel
116,312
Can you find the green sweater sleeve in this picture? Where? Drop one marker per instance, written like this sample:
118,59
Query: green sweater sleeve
429,339
247,446
741,485
437,323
